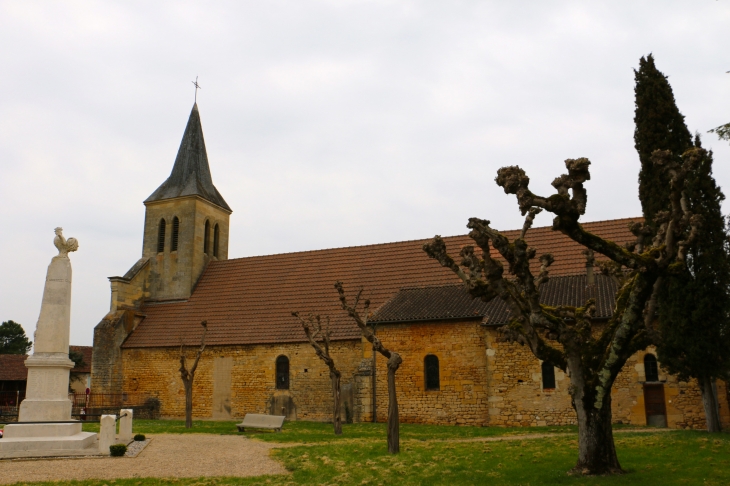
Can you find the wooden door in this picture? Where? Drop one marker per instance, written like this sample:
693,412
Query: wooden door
656,411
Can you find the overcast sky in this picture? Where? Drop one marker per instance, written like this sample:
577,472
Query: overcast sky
327,123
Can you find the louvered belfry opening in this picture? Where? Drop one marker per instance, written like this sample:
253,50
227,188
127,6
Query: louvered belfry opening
206,238
175,233
161,237
215,241
431,365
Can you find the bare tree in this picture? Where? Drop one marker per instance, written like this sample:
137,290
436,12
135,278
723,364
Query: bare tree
394,362
189,376
314,330
592,356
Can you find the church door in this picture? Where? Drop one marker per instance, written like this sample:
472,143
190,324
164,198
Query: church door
656,411
222,371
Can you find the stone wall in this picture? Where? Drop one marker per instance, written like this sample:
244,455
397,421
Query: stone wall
107,369
459,347
683,399
482,382
129,291
516,396
173,274
154,371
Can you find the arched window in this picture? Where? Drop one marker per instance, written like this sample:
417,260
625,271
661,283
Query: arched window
651,369
175,232
431,372
215,241
282,373
161,237
548,376
206,238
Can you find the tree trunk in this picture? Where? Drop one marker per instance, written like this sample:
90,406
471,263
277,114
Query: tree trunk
393,422
337,412
596,450
188,403
709,400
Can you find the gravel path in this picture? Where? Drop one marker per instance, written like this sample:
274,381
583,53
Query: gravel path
168,455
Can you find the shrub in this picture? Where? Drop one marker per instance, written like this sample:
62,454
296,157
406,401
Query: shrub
117,450
139,437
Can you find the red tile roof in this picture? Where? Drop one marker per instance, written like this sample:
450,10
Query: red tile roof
250,300
12,367
86,351
454,302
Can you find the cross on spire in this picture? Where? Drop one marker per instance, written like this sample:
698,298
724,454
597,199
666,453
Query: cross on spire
197,87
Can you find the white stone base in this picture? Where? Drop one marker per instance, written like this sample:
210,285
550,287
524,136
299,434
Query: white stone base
24,431
83,442
37,440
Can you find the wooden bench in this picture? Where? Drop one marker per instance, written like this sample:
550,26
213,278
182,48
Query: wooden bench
261,421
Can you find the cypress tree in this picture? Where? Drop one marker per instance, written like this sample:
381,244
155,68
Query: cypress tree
659,126
694,303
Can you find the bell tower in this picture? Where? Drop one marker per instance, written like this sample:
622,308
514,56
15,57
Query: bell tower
186,221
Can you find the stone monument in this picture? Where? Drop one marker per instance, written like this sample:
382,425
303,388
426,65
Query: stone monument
44,420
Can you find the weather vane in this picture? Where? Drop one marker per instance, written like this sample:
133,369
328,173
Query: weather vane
197,87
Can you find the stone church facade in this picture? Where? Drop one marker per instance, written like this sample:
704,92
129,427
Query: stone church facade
257,360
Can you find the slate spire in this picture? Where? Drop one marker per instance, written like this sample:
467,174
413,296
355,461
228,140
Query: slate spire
190,175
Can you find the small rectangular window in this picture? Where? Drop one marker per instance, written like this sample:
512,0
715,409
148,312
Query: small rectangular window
548,376
282,373
431,365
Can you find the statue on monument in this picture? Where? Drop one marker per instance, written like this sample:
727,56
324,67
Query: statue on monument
64,246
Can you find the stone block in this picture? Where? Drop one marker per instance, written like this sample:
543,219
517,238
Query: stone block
125,425
107,433
13,431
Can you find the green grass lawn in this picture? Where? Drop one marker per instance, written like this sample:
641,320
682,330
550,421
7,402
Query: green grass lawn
309,432
430,456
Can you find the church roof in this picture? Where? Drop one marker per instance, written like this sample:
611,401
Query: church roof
454,302
250,300
190,175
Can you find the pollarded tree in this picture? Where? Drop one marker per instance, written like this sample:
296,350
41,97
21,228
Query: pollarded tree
592,356
188,376
394,361
314,330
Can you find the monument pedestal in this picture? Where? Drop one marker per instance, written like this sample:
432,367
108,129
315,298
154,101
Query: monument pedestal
46,401
36,433
46,396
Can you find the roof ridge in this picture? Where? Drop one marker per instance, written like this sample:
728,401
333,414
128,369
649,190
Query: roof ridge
400,241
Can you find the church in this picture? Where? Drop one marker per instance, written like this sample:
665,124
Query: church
258,360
